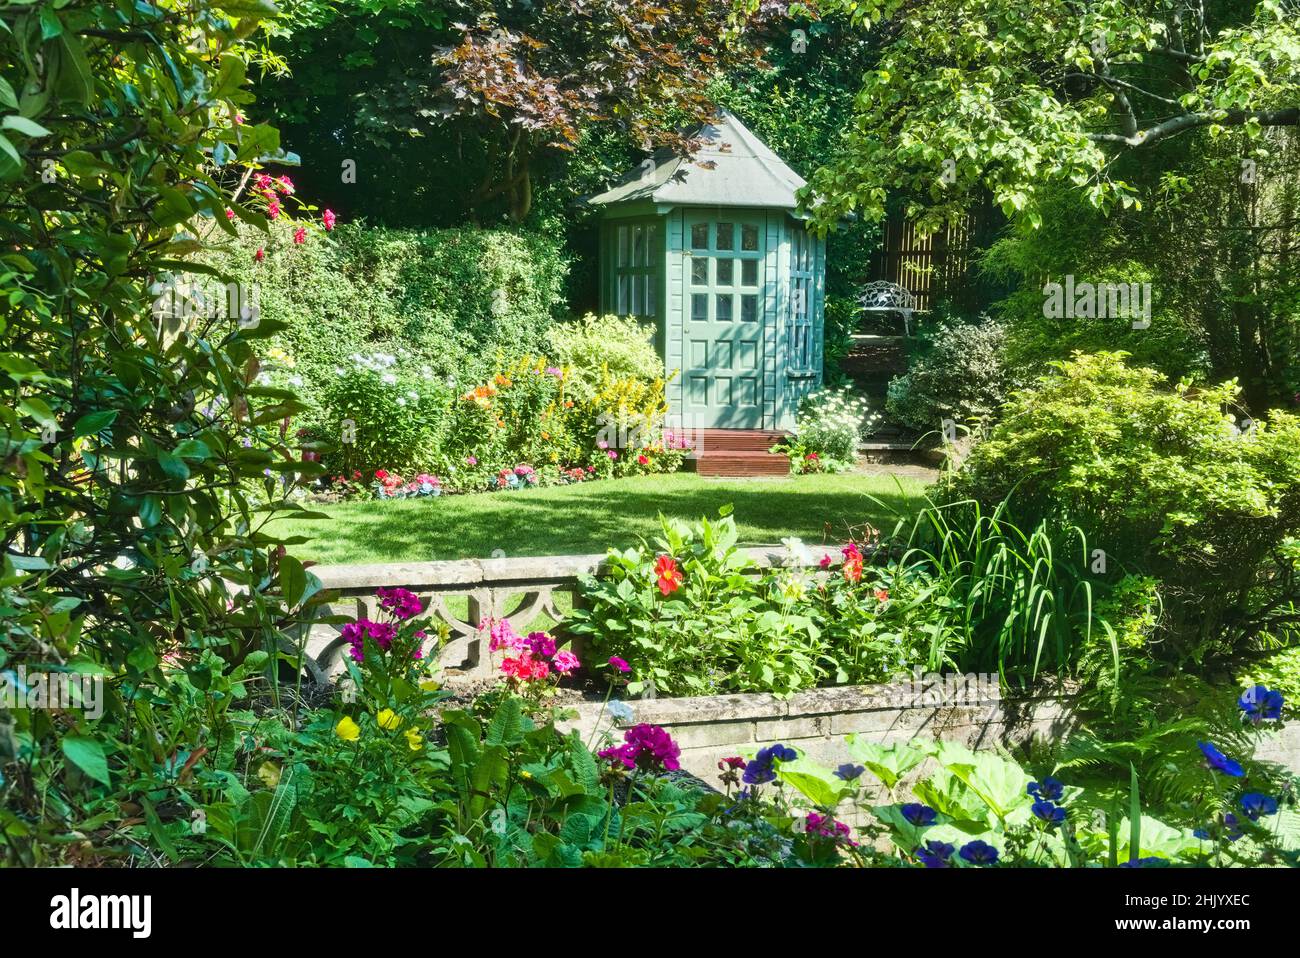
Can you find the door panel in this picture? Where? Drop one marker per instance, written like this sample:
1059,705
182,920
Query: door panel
724,321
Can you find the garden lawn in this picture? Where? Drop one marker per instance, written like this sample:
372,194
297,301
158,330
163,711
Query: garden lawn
592,517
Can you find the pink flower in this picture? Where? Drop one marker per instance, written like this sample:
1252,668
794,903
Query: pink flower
273,209
299,236
620,664
826,562
230,214
501,635
329,219
646,747
564,661
380,633
260,255
286,184
612,454
472,460
239,119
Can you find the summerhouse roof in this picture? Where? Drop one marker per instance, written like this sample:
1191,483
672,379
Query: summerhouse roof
745,172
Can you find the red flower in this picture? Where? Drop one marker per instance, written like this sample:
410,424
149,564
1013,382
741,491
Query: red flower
882,595
852,562
668,576
381,473
300,236
260,255
329,219
230,214
643,460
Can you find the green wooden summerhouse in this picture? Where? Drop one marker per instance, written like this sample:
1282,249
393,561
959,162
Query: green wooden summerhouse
713,250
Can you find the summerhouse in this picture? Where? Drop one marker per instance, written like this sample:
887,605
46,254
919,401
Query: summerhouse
712,249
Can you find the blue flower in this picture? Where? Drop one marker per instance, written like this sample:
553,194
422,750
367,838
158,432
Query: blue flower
1232,826
1047,812
1218,761
848,771
918,814
979,853
935,854
1149,862
761,771
1254,805
1049,789
1261,703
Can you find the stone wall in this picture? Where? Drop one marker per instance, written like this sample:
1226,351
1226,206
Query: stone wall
709,728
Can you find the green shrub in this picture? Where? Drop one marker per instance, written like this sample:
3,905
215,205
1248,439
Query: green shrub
1158,478
830,425
448,299
958,375
618,344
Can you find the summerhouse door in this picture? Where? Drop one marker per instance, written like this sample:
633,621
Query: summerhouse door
722,355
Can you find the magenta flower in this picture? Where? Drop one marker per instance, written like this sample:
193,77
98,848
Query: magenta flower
541,644
620,664
647,747
356,633
401,604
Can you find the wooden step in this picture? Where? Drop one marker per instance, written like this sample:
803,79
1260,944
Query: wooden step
740,463
737,440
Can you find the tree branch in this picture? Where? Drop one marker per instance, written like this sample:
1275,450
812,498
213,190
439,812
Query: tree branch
1161,131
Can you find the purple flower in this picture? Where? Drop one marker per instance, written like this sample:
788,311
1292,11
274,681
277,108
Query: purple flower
979,853
1216,760
1047,812
763,768
620,664
935,854
356,633
1049,789
918,814
848,771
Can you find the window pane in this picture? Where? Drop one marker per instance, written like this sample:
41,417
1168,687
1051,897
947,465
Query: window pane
749,272
700,307
726,272
723,306
650,295
648,247
749,237
726,236
699,236
636,295
700,271
749,308
621,258
622,282
638,243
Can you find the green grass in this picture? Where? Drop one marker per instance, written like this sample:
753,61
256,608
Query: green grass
592,517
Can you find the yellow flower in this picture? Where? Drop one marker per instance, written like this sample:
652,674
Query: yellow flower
347,729
414,739
269,773
388,720
430,685
526,774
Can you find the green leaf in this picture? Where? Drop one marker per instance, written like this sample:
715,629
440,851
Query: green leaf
93,423
20,124
88,755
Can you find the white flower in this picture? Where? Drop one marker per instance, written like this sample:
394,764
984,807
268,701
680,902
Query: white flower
401,401
800,554
388,378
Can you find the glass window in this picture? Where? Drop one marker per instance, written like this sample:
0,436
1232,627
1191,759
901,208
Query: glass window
749,308
749,272
699,271
620,258
649,296
700,307
723,306
648,247
638,244
726,272
621,296
749,237
699,236
636,282
726,236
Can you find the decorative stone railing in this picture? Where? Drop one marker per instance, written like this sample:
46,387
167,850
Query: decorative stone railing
523,590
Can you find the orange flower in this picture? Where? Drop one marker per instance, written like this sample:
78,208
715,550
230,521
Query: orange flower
882,595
